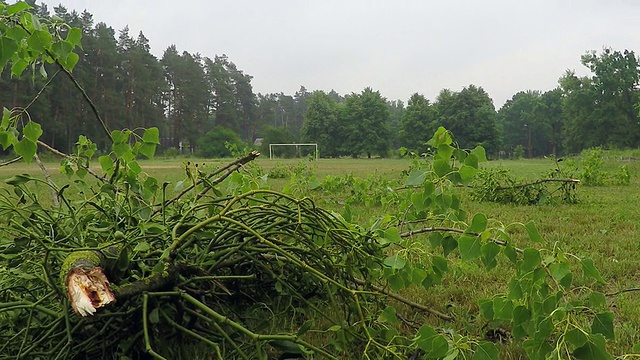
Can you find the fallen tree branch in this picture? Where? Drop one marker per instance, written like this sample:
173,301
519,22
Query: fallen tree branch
541,181
226,171
453,230
405,301
623,291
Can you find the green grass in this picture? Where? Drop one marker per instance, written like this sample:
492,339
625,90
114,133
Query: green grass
603,226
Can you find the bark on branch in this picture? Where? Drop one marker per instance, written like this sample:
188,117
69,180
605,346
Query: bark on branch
542,181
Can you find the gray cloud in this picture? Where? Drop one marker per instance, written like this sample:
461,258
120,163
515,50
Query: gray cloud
396,47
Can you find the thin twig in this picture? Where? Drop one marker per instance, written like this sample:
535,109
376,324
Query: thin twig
623,291
61,154
405,301
452,230
567,181
47,176
226,171
9,162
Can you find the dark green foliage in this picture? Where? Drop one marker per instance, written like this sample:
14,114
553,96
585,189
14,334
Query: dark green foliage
418,123
274,135
321,123
471,116
533,122
600,110
364,127
213,144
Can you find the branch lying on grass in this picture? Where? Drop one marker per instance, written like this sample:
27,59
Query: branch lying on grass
226,171
622,291
542,181
405,301
452,230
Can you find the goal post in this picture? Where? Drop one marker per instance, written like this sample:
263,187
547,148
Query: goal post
297,146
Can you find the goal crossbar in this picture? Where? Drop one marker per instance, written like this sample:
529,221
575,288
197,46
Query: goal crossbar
296,145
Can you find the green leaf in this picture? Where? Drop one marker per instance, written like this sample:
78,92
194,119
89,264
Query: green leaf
449,243
395,262
597,300
489,252
25,148
151,135
40,40
486,309
441,167
559,270
576,337
8,48
18,7
16,33
603,324
106,163
70,61
334,328
486,351
418,275
472,161
391,236
470,247
18,67
388,315
18,179
537,348
433,344
467,172
32,131
154,316
445,151
119,136
6,139
531,259
74,36
590,270
594,349
142,246
521,317
479,153
305,327
148,150
416,177
395,282
478,223
6,118
122,264
502,309
534,235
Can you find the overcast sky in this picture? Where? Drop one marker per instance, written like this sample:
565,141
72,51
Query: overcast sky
398,47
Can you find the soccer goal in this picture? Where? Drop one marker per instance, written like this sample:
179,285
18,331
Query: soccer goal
297,150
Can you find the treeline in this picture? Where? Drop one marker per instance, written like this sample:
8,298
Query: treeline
199,103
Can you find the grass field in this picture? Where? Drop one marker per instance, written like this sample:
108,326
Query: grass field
603,225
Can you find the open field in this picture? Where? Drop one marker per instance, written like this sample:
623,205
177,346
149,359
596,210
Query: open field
603,226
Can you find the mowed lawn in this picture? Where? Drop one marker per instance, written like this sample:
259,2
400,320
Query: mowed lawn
602,226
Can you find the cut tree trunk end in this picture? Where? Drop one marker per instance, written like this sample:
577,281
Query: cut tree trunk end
87,286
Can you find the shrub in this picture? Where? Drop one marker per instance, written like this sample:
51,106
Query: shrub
212,144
